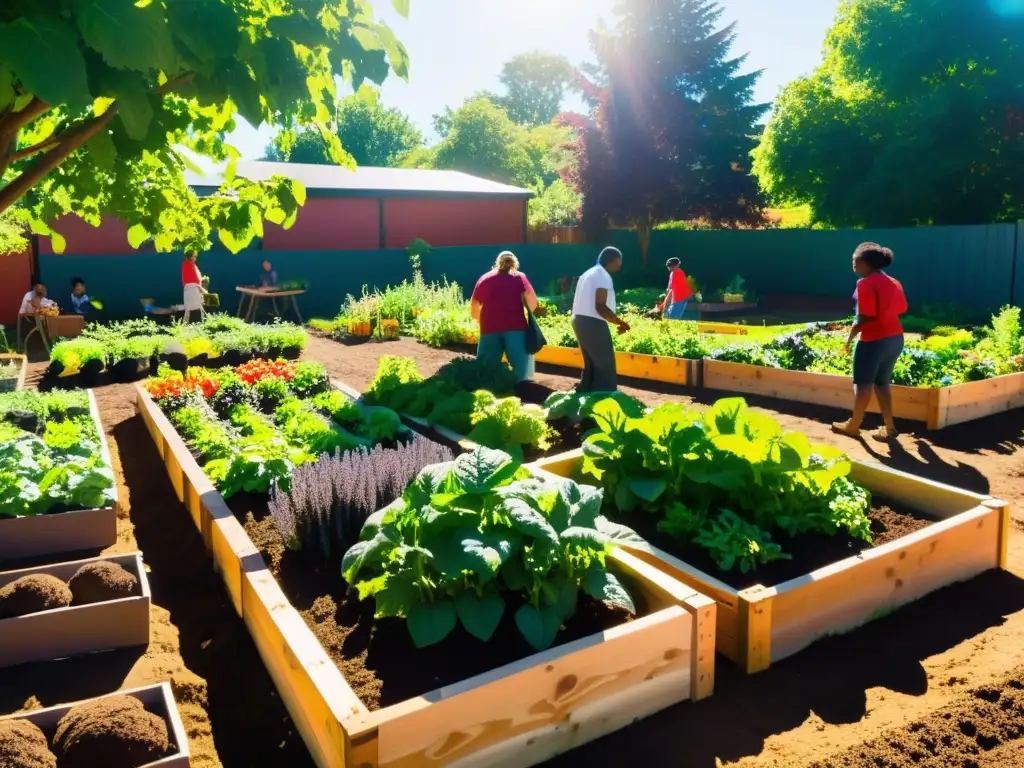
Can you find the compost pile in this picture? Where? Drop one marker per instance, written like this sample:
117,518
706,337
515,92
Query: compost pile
92,583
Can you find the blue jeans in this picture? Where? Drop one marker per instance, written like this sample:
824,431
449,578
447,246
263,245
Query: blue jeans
675,311
510,344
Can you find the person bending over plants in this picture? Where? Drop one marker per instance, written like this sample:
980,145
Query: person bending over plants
880,302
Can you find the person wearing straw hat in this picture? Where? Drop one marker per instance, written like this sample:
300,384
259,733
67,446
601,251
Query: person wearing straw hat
593,311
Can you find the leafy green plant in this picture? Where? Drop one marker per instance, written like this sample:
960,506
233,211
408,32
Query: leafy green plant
471,536
575,406
310,379
507,424
395,383
271,391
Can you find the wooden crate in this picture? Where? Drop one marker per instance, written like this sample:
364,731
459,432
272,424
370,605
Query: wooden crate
670,370
762,625
78,629
938,408
80,531
22,362
518,715
157,699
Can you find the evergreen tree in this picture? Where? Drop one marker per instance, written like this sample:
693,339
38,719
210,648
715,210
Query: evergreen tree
674,123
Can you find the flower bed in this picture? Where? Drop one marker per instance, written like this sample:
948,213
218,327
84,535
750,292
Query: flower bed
597,681
764,522
69,609
91,726
12,372
130,350
57,490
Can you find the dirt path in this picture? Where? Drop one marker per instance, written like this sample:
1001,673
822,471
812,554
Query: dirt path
856,692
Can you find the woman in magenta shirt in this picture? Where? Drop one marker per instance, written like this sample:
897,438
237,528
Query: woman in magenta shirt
499,303
880,302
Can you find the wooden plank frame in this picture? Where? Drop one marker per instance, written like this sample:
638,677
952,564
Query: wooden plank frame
22,361
670,370
158,699
519,715
938,408
77,629
79,531
759,626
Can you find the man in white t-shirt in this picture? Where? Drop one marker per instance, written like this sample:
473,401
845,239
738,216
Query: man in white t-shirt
593,309
35,300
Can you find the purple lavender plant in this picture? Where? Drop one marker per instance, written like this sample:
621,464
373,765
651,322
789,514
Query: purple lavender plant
330,499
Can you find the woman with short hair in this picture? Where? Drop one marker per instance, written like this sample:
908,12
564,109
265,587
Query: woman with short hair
499,303
880,302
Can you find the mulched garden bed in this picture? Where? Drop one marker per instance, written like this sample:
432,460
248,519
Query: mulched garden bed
889,521
377,657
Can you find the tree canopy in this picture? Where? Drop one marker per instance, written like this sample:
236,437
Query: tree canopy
371,133
915,116
671,130
535,85
102,102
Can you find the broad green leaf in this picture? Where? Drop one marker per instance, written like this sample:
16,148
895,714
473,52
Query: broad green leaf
539,628
430,623
127,34
430,481
529,521
137,235
584,537
601,584
726,414
483,470
6,87
514,574
136,112
479,615
45,54
397,55
466,551
57,242
361,553
625,499
618,533
396,597
649,489
103,152
559,594
401,7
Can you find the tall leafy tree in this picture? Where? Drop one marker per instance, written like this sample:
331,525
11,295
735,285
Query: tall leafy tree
535,85
371,133
481,139
670,134
101,102
915,116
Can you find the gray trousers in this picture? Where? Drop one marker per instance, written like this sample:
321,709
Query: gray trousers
595,338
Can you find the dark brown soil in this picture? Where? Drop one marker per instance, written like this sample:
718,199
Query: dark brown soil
113,732
983,729
32,594
101,581
23,745
377,657
889,521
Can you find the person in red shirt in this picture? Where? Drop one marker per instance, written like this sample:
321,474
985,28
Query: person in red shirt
499,303
192,288
880,302
679,293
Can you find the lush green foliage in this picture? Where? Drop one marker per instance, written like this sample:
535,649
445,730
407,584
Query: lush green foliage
726,480
50,455
575,407
509,425
471,536
667,338
118,94
371,133
251,426
914,117
535,85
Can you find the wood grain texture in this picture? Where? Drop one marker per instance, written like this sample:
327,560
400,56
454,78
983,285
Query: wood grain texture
671,370
755,629
934,499
22,362
977,399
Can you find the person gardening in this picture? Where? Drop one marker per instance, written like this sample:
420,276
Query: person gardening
499,304
673,306
192,288
593,310
880,302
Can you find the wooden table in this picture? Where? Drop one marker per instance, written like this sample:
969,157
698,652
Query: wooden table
256,295
49,327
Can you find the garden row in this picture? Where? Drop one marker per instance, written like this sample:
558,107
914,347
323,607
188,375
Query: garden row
58,496
514,610
130,350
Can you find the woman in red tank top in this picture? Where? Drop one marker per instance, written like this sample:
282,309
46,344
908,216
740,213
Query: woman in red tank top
880,302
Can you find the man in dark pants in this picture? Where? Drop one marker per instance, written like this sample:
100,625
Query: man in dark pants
593,309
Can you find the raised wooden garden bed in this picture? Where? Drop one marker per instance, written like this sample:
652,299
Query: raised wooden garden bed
518,715
77,629
10,385
938,408
760,625
79,531
671,370
157,699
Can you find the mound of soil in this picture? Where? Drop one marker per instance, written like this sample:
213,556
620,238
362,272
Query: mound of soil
889,521
32,594
101,581
23,745
115,732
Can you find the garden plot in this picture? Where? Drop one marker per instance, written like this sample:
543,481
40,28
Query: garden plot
792,540
385,705
56,485
12,372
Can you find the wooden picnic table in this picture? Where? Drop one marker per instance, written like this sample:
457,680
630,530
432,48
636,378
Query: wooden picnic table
49,328
256,295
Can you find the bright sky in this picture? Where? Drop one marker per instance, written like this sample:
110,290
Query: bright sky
457,47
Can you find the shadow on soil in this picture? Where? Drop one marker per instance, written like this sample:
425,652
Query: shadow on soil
57,682
248,717
829,679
